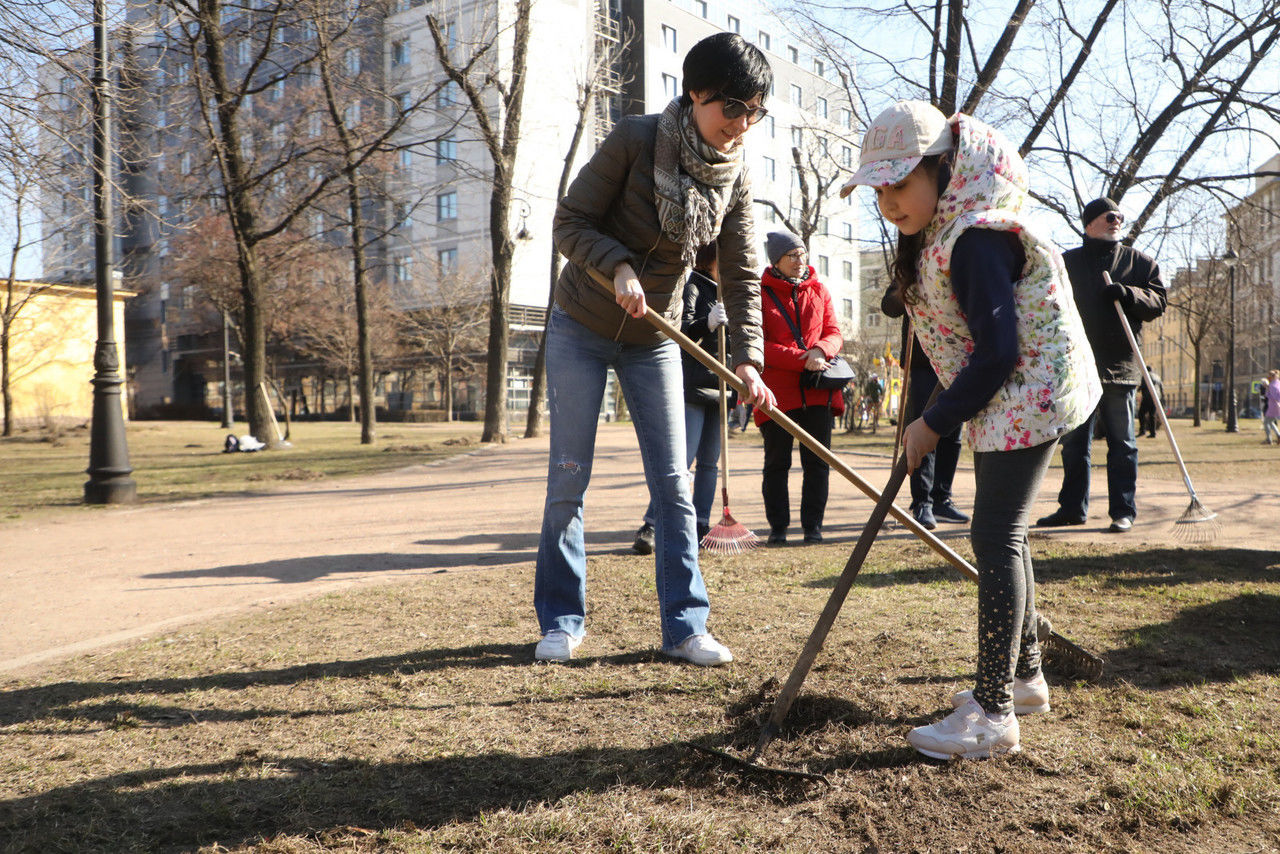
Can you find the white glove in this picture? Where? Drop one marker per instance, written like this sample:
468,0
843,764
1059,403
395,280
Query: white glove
716,317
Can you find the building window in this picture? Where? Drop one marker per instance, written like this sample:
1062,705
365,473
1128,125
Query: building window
403,5
824,265
797,138
403,269
670,86
733,25
406,159
701,7
822,107
847,305
447,149
242,51
68,87
315,124
351,59
277,134
317,225
447,95
846,118
772,125
448,261
846,267
277,90
404,101
308,31
797,95
793,55
669,39
873,318
399,52
846,155
446,206
184,72
184,165
824,226
351,115
762,40
770,169
819,68
846,231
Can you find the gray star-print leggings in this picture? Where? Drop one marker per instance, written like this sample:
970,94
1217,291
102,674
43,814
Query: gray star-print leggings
1007,484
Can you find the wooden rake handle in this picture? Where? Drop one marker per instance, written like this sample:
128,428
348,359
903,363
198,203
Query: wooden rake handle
803,436
835,602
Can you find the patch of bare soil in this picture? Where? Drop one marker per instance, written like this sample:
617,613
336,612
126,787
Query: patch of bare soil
413,718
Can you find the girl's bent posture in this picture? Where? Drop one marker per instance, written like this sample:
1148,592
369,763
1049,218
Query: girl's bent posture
993,309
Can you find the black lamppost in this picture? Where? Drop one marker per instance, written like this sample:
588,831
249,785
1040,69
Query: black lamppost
1230,259
109,469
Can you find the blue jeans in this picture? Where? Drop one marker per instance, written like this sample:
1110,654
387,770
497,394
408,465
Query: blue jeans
1116,412
702,446
650,376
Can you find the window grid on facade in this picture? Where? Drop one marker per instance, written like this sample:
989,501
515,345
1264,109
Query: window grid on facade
793,55
447,260
399,52
446,149
763,40
770,169
446,206
846,267
822,107
701,6
733,25
669,40
797,95
824,265
352,61
670,86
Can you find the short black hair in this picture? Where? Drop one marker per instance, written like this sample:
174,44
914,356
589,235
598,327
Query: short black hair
727,64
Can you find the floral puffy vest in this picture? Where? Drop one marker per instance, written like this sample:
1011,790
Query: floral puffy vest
1054,385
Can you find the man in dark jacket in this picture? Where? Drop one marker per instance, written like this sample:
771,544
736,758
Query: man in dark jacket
1140,291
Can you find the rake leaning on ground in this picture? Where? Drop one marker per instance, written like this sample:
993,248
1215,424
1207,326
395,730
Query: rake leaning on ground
1197,523
1060,654
729,536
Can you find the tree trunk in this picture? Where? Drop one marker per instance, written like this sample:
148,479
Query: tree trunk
351,396
4,381
360,278
1195,388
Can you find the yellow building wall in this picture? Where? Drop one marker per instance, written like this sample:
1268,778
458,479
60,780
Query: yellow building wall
51,353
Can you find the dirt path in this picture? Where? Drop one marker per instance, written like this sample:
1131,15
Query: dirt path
83,582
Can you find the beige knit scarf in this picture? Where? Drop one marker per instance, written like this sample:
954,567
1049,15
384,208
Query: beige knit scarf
691,180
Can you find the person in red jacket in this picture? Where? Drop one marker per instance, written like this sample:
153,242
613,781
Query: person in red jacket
789,285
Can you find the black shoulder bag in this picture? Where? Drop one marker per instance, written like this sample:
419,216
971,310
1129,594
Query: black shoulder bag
838,373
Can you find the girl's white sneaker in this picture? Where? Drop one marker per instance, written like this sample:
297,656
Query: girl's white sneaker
967,732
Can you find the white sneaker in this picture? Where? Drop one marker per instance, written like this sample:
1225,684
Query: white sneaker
702,649
556,645
1030,696
967,732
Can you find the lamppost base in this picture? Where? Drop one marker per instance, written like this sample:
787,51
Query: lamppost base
116,490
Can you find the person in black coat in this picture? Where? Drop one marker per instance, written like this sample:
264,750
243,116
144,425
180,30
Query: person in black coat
1136,284
703,315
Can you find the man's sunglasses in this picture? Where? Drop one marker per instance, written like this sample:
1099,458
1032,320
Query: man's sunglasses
735,109
1114,218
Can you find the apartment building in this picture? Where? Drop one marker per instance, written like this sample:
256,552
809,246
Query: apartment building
442,235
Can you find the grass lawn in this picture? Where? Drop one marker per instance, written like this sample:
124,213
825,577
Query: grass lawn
183,459
411,718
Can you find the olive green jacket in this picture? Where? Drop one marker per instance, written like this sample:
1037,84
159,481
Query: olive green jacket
609,216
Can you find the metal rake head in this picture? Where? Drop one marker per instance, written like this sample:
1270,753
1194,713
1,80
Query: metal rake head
1197,525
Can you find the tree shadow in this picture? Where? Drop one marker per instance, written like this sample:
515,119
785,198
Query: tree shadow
261,795
1215,642
68,701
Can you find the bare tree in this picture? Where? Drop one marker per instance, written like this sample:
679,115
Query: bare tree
447,326
483,79
1145,99
600,79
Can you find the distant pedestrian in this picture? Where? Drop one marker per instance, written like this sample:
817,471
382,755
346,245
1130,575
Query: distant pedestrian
1271,416
1147,419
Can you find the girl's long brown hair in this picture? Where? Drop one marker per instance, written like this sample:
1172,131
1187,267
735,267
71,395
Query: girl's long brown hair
906,261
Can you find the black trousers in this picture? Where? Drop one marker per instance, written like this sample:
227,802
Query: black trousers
817,421
931,481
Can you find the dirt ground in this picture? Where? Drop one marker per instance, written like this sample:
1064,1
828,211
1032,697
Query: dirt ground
81,582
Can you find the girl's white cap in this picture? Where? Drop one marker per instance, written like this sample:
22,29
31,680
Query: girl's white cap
896,141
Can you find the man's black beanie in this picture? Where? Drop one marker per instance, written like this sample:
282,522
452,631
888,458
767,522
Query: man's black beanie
1097,208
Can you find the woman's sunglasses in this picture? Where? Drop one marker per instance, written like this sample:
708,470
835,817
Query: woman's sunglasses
735,109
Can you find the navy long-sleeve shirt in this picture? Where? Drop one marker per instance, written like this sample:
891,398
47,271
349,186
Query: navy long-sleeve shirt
985,265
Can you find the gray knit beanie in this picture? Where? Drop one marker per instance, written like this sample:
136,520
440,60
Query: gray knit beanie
779,243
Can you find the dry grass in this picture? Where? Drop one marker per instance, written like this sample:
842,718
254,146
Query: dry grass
412,718
183,459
